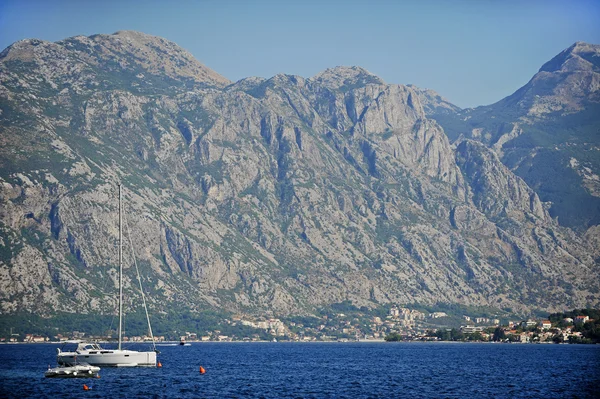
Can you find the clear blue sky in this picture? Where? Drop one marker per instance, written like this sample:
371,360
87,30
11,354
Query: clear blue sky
472,52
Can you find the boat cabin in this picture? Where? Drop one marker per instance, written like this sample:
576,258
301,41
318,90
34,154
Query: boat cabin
86,346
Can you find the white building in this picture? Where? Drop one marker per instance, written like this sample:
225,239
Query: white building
528,323
437,315
545,324
471,329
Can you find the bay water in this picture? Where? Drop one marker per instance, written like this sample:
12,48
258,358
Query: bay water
321,370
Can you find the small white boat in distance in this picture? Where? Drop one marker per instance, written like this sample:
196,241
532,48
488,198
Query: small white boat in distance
81,370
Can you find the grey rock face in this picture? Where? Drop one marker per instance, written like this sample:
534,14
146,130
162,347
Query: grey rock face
496,191
546,133
282,194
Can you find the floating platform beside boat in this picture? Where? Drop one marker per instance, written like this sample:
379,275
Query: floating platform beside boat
80,370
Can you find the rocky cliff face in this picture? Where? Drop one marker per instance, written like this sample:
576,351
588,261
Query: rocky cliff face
546,132
282,194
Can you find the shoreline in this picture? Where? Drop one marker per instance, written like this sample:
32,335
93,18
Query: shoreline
368,341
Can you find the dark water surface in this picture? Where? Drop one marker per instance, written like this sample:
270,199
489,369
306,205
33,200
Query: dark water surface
322,370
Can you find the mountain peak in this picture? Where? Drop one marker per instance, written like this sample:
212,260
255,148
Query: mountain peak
130,50
580,56
582,47
345,78
135,34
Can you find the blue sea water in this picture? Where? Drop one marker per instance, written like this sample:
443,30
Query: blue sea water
322,370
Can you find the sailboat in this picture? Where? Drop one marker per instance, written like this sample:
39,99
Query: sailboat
92,353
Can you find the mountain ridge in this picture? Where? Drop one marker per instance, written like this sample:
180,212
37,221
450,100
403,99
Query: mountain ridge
546,132
283,194
577,58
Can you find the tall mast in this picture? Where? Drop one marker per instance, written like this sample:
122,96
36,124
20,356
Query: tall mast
120,271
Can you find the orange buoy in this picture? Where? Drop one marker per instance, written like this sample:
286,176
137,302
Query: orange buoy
97,375
159,364
86,388
202,371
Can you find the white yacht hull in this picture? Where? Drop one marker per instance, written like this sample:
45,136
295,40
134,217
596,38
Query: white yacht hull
110,358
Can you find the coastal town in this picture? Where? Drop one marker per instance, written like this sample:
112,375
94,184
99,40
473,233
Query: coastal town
399,324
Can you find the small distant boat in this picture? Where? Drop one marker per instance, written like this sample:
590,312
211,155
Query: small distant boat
183,343
80,370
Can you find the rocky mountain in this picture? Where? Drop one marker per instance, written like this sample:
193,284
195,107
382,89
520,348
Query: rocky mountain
547,132
283,194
